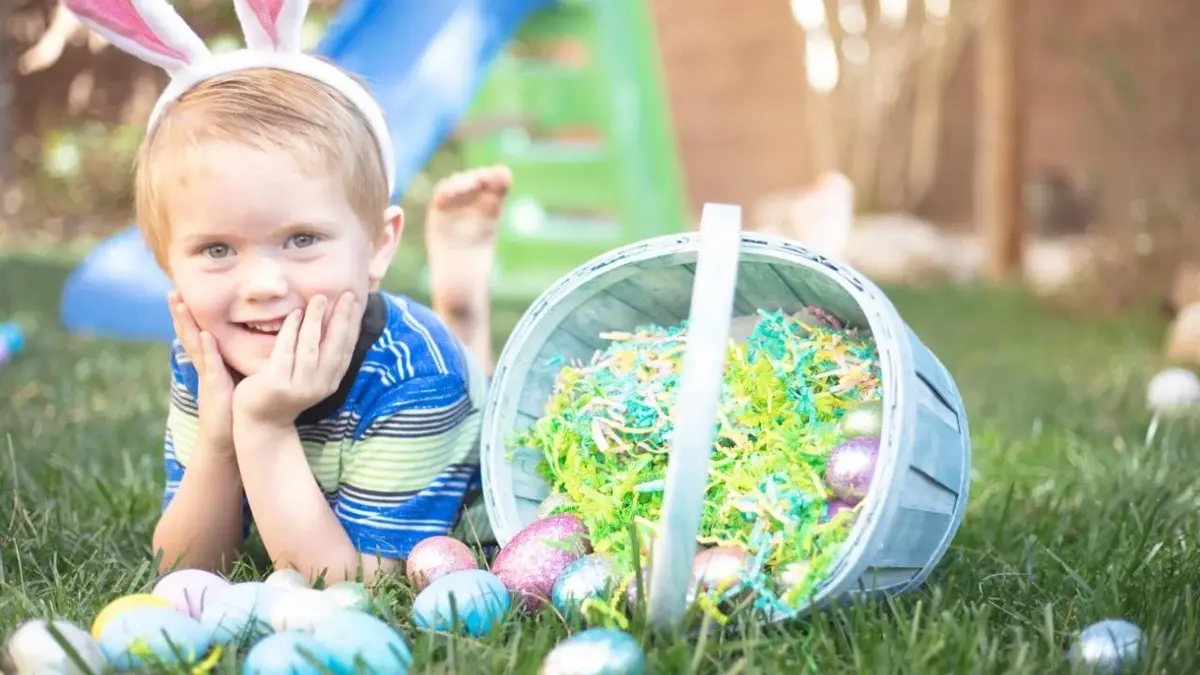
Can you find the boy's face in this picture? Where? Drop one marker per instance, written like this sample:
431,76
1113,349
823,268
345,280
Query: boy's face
254,237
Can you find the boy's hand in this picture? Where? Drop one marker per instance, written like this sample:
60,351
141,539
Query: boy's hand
216,385
304,367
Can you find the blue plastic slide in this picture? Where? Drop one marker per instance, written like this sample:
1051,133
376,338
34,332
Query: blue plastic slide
423,59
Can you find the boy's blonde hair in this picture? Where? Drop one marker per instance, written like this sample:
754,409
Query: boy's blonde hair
268,109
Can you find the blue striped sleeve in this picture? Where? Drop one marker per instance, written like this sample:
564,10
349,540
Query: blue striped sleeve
413,458
182,421
183,424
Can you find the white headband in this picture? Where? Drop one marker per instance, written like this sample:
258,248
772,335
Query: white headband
154,32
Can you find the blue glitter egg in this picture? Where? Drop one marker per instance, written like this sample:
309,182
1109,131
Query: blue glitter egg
478,598
596,651
592,576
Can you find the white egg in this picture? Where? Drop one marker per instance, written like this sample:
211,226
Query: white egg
33,650
1173,390
301,609
349,595
240,609
287,578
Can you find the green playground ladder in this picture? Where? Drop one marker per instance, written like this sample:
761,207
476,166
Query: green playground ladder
574,198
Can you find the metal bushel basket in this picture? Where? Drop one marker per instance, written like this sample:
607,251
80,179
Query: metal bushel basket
917,493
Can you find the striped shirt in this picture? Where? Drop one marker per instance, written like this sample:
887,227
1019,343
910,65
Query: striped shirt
396,449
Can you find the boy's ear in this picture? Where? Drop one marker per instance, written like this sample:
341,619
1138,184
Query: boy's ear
385,245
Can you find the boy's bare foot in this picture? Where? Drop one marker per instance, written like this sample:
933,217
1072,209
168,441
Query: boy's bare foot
460,240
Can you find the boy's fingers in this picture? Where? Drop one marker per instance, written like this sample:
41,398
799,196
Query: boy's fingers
213,364
188,332
283,354
338,347
308,340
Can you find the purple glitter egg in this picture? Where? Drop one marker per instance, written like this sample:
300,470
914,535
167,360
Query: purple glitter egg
631,588
836,507
851,467
532,561
434,558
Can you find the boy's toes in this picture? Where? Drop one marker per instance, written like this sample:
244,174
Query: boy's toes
499,179
451,191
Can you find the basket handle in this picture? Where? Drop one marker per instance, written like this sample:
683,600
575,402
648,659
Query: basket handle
698,395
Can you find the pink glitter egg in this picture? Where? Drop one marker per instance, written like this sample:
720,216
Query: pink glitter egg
532,561
434,558
823,316
719,568
851,467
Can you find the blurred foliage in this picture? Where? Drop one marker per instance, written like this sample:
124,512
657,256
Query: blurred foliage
78,121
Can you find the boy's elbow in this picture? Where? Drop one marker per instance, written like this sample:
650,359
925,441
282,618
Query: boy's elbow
170,556
375,568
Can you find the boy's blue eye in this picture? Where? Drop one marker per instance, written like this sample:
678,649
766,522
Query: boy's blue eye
303,240
217,251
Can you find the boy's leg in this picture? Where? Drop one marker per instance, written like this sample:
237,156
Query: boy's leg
460,236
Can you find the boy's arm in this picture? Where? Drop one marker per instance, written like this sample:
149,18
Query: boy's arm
297,526
204,514
403,479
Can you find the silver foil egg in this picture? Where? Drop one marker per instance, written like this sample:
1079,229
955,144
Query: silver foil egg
864,419
595,651
1109,647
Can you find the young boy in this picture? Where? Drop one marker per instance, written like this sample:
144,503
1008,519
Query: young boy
344,419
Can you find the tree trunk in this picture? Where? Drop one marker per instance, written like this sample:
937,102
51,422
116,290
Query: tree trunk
998,170
7,93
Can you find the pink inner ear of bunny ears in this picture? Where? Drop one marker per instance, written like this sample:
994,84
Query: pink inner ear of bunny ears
122,18
268,12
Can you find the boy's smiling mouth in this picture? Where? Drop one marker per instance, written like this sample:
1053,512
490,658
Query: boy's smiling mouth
263,327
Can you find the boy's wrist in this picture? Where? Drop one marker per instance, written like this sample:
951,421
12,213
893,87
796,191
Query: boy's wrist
218,447
254,436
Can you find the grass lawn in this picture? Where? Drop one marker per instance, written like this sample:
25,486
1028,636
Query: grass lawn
1072,517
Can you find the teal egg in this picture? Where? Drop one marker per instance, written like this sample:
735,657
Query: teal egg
478,597
361,643
864,419
592,576
290,653
144,636
240,610
596,651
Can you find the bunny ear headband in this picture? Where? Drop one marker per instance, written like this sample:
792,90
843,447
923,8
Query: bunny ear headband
154,32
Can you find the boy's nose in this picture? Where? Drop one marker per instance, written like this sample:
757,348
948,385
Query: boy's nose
264,280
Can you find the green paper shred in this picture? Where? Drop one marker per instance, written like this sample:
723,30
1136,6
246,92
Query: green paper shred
605,437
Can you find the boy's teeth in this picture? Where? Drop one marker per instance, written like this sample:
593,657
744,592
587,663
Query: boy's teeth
265,327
